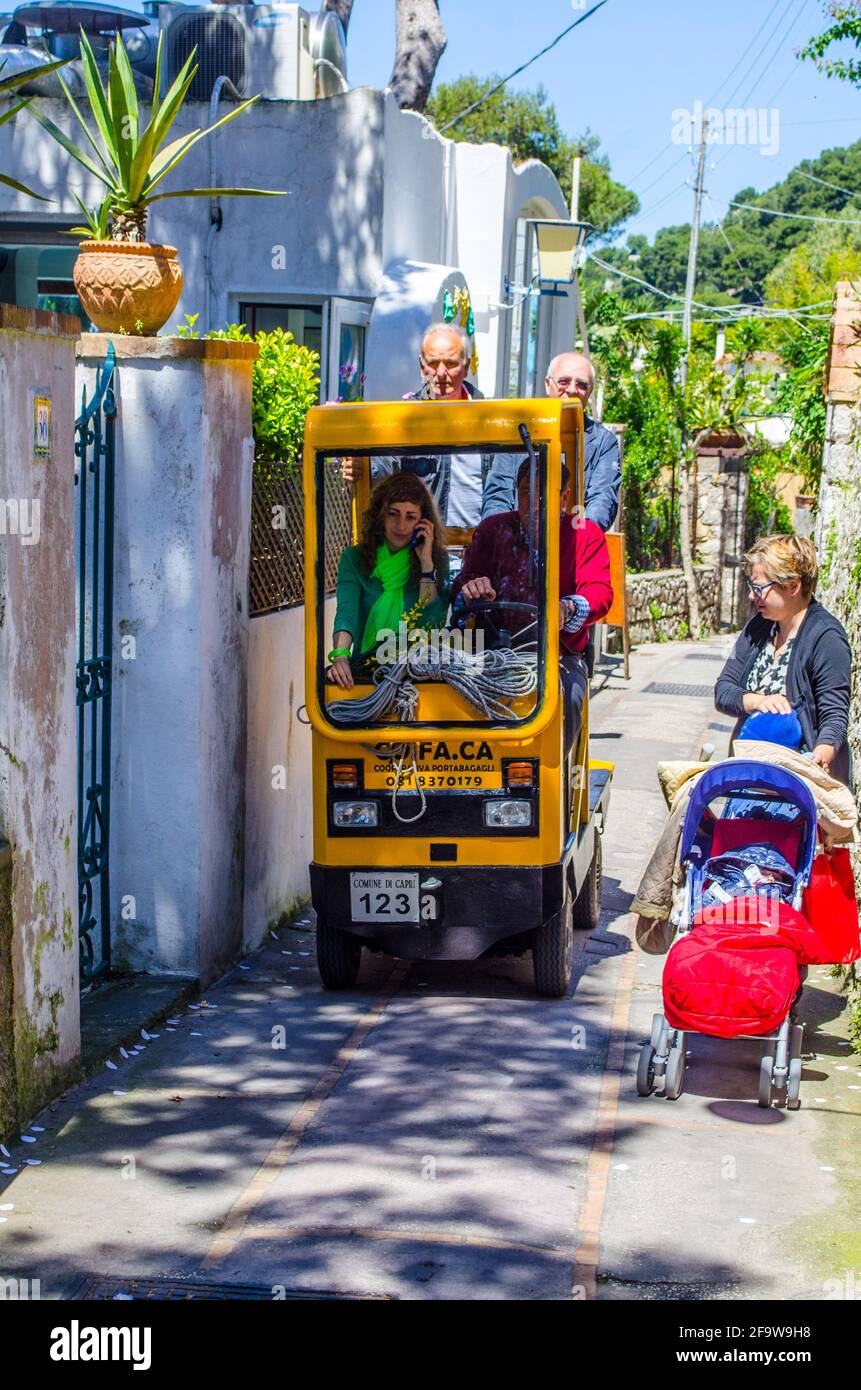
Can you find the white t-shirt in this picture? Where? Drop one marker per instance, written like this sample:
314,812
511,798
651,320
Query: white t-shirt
464,496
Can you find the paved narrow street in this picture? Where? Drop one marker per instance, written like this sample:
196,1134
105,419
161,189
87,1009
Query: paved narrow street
442,1133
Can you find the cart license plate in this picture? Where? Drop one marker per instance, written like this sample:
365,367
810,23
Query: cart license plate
384,898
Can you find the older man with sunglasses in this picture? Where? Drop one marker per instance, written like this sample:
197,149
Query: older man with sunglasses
569,376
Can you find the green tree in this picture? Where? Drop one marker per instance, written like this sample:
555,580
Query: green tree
527,123
847,25
285,383
808,273
737,255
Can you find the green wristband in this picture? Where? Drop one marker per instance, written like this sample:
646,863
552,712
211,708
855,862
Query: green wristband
337,652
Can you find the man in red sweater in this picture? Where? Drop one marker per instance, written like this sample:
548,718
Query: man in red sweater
496,568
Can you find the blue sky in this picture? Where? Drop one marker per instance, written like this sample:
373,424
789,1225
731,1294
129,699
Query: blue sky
628,68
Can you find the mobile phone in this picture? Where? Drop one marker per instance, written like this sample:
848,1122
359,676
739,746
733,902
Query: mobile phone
416,539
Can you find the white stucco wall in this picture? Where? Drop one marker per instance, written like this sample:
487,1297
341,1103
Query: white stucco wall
410,297
184,452
279,831
418,221
325,238
369,187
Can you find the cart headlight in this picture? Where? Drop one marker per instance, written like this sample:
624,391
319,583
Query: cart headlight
356,814
504,814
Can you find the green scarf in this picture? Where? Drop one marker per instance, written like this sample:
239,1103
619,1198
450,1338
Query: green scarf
393,571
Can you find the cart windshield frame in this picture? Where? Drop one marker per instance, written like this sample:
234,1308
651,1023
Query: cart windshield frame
406,430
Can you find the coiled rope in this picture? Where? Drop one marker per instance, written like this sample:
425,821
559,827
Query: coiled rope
485,679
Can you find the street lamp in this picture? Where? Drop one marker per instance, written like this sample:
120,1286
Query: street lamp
560,245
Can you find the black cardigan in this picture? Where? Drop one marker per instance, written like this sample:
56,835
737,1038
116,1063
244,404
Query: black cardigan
818,680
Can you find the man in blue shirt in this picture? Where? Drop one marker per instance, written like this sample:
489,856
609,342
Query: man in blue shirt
569,375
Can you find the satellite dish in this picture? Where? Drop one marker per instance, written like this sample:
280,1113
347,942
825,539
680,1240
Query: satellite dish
329,53
70,16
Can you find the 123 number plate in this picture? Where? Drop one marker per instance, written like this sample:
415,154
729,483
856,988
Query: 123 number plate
384,898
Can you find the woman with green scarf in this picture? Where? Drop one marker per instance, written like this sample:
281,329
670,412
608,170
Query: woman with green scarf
384,577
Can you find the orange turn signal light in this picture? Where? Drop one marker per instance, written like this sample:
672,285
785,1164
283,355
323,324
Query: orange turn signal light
345,775
520,774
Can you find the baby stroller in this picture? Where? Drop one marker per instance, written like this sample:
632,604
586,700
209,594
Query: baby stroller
747,846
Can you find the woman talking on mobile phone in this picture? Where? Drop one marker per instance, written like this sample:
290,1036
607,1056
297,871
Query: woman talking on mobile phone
400,561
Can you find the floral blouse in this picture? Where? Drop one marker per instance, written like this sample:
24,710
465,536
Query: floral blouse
768,673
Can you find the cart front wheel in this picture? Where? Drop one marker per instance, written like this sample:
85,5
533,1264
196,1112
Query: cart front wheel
587,906
339,955
553,953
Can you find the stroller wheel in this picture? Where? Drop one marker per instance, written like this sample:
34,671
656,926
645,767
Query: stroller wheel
766,1071
674,1081
646,1070
793,1084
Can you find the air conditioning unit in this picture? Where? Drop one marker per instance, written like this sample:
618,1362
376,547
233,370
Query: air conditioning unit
279,51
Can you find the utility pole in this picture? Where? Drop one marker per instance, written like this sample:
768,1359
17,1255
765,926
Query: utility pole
688,464
575,208
692,252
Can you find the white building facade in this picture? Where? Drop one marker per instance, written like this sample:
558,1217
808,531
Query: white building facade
382,217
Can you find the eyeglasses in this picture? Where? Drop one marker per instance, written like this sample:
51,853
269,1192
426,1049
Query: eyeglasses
758,590
566,381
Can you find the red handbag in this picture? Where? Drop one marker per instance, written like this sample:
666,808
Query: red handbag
830,907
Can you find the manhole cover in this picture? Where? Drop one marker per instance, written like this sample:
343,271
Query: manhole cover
108,1287
698,692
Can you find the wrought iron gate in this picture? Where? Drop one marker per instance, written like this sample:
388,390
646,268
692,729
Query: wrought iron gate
94,476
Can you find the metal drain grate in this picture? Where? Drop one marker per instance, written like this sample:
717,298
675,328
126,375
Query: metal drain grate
107,1287
706,656
698,692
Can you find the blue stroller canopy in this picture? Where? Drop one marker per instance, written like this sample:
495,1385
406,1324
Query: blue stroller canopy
739,777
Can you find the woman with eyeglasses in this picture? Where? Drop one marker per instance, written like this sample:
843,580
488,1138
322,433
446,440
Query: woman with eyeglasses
792,655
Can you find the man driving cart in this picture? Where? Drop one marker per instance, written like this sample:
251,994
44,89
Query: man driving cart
496,567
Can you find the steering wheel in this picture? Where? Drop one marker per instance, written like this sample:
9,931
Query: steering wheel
489,608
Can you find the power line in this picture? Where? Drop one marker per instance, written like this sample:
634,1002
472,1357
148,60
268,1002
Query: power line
794,20
517,71
761,51
784,37
626,275
795,216
826,184
832,120
712,98
745,273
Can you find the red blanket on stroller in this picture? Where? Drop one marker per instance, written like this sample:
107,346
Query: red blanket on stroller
737,971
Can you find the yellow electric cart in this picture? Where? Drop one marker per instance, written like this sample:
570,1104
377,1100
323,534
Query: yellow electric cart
456,827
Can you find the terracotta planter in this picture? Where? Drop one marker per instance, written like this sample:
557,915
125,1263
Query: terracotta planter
126,285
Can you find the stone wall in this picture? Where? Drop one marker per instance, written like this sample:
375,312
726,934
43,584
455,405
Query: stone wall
838,526
658,604
721,512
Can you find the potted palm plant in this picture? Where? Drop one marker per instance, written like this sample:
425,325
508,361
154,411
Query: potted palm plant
124,283
8,85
